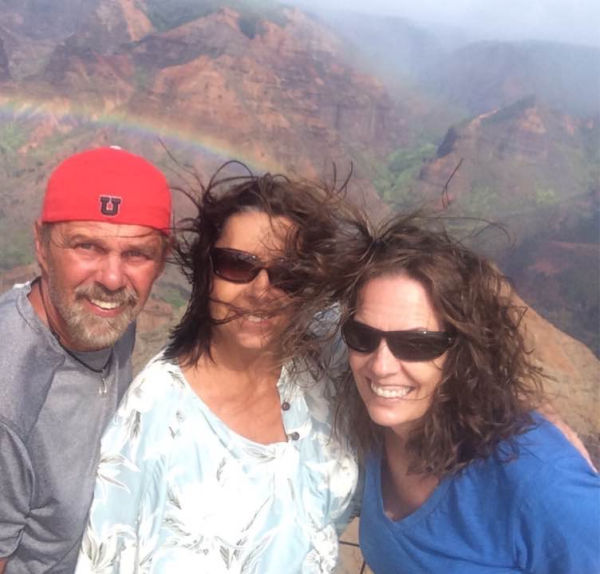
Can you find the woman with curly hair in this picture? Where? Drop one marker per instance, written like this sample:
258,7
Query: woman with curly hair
220,458
463,475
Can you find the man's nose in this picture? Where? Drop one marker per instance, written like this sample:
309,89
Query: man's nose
111,273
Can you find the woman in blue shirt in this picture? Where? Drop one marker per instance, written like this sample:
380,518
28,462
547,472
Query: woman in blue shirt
462,474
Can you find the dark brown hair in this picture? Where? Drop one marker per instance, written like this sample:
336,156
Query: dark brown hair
489,383
313,208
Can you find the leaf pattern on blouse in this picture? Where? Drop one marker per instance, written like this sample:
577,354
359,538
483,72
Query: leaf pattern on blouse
178,491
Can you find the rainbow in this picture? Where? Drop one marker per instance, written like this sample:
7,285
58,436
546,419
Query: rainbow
151,129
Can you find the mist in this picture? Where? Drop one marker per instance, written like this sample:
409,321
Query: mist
565,21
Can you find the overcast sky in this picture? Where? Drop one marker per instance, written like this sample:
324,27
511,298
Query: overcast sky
575,21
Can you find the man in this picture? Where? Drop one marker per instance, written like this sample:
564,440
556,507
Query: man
65,359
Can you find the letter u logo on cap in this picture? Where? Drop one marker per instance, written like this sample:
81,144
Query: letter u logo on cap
109,205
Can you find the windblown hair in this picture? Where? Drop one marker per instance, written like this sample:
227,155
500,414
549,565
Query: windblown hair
489,383
315,210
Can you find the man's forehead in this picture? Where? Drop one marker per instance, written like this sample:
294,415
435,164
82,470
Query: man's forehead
104,230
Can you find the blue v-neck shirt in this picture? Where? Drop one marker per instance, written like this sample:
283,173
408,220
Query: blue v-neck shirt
539,513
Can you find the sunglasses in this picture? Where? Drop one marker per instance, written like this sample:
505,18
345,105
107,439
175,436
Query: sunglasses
404,345
243,267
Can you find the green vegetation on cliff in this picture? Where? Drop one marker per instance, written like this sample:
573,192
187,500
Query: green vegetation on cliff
168,15
394,178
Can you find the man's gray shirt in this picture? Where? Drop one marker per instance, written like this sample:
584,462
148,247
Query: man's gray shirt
52,415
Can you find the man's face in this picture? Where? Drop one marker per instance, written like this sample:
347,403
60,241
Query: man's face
96,278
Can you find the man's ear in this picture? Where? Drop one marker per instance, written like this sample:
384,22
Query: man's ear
41,247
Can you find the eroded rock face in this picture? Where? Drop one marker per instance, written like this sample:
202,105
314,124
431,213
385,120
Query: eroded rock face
573,383
561,279
282,93
534,170
519,155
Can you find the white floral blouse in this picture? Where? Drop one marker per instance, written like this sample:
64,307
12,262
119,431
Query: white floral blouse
177,491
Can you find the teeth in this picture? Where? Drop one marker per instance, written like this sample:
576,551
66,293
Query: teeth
106,305
255,318
390,392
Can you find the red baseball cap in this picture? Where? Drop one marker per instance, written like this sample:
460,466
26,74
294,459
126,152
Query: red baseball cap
111,185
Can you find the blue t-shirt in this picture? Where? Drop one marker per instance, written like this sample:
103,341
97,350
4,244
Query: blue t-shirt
539,513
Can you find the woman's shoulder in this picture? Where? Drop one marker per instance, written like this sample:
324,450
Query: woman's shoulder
539,476
558,500
157,386
545,444
150,410
527,461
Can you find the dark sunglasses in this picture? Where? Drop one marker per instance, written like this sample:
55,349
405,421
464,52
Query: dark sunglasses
243,267
404,345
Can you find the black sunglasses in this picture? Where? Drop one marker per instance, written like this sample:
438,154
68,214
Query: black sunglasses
404,345
243,267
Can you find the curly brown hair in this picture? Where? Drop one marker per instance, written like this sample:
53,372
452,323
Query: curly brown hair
315,209
489,383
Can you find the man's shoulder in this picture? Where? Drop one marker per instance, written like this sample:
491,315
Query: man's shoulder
14,327
8,304
17,317
27,365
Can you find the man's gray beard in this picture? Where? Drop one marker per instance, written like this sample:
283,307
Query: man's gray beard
89,331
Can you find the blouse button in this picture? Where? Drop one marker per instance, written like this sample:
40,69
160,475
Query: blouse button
285,406
294,435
